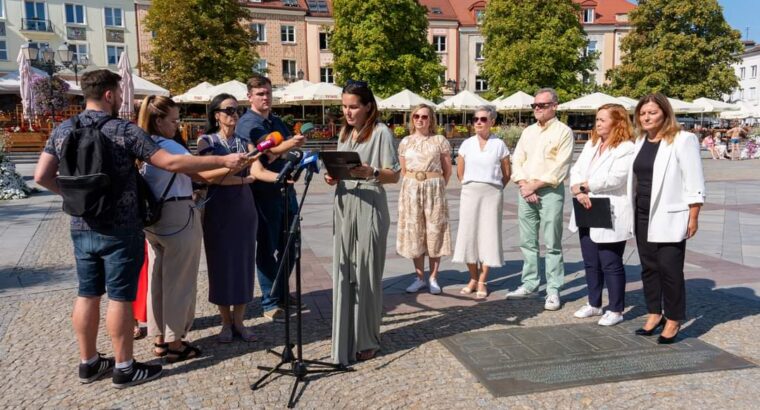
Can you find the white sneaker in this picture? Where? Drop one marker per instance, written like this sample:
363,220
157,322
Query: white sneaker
552,302
434,288
416,286
610,319
588,311
520,293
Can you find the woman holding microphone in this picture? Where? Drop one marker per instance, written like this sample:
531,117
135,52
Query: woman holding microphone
601,171
361,221
667,189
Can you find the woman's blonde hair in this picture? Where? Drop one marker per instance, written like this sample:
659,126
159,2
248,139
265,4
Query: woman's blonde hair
670,126
432,126
622,129
152,108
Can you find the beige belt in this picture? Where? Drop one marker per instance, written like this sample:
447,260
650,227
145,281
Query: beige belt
422,175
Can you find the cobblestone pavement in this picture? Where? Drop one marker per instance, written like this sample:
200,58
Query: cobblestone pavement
38,356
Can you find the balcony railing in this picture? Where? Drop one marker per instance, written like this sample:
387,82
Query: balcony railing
36,25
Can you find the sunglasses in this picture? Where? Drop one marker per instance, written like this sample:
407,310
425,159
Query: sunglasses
229,111
420,117
479,119
356,83
542,106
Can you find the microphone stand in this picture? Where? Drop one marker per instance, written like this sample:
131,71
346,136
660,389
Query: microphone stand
298,366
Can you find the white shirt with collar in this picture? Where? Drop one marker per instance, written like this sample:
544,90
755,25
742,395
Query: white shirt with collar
606,176
677,182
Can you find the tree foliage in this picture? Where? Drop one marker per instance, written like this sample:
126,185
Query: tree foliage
199,40
682,48
384,42
535,44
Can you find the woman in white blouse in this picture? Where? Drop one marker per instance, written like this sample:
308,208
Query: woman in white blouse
601,171
483,169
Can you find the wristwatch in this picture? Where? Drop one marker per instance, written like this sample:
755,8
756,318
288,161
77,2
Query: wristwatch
582,188
375,173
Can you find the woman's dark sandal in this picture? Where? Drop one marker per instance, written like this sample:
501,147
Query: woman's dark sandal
164,349
189,352
365,355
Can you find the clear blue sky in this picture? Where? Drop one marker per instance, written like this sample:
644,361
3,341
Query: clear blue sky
741,14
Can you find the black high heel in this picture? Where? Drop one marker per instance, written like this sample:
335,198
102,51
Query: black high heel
668,340
649,332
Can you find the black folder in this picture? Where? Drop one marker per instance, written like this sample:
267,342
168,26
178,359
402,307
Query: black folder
598,216
339,163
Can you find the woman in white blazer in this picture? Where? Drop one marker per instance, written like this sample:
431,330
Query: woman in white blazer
601,171
666,188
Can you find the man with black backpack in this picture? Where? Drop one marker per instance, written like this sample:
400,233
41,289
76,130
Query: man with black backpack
90,161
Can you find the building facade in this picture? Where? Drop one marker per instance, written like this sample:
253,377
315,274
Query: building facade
747,74
99,30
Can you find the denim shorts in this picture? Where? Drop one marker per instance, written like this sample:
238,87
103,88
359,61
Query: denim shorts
109,263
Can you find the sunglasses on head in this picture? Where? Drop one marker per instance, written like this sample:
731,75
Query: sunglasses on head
479,119
229,110
357,83
420,116
542,106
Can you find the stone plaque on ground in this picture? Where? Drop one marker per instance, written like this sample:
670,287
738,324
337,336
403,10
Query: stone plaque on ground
527,360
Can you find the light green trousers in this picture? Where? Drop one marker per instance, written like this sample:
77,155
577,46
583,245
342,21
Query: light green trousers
546,216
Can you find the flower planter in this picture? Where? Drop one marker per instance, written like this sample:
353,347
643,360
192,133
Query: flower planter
25,141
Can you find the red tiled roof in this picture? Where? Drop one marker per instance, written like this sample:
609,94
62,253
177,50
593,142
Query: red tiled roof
276,4
447,12
606,10
464,10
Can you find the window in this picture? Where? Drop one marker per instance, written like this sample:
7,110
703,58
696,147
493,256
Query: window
481,84
480,15
588,15
318,6
259,32
113,17
324,41
3,51
113,53
591,48
753,72
289,69
479,51
437,10
288,34
439,43
80,51
74,14
261,67
742,73
326,75
752,94
2,9
290,3
2,26
36,18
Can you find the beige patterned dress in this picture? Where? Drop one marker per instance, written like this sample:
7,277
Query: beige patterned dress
423,213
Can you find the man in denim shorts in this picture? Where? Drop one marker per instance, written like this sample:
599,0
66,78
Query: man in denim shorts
109,254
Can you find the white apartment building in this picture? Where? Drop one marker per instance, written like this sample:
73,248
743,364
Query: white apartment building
100,30
747,74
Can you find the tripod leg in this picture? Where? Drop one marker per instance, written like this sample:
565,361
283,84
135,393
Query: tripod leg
291,401
257,384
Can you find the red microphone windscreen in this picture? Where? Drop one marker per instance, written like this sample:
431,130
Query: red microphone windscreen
272,140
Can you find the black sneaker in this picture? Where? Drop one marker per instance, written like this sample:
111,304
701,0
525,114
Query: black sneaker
140,373
88,373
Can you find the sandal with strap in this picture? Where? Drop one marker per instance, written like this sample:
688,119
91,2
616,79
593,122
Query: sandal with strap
365,355
481,295
139,332
467,289
189,352
164,349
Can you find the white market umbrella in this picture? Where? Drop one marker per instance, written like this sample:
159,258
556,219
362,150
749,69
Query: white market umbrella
292,88
141,86
127,87
745,111
633,102
10,83
197,94
316,94
234,88
496,100
25,83
591,103
404,100
714,106
519,101
683,107
465,101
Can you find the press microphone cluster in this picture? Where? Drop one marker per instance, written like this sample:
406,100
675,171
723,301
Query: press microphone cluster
310,162
272,140
291,161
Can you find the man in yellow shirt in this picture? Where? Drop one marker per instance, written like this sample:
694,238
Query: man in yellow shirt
540,164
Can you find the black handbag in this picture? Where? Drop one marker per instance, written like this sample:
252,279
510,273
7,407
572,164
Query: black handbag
150,207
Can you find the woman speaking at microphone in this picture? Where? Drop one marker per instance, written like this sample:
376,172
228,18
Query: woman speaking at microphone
230,220
361,221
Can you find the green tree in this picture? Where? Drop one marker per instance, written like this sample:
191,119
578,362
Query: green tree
535,44
682,48
199,40
384,42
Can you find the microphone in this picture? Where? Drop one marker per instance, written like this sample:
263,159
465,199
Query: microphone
292,160
310,162
306,128
272,140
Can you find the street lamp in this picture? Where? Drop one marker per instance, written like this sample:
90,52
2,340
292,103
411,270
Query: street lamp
300,74
70,61
456,86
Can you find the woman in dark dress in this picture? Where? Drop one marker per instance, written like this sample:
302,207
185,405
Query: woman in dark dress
230,220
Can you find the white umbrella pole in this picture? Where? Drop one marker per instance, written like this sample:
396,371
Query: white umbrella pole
303,111
323,113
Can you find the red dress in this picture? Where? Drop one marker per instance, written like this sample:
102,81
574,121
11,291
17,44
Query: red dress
140,305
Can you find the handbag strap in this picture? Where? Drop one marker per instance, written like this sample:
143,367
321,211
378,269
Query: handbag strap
168,186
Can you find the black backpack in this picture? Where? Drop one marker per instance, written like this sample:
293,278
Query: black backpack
86,172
